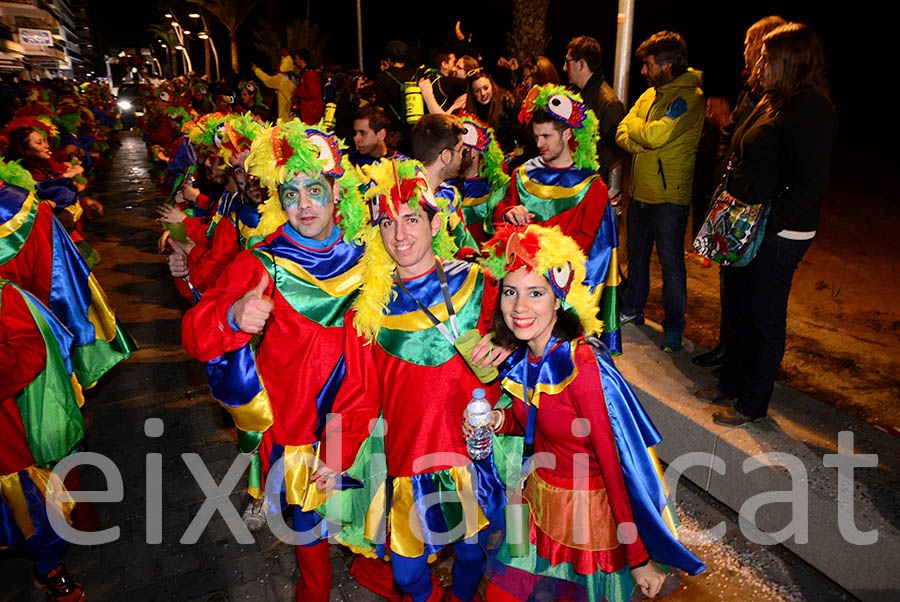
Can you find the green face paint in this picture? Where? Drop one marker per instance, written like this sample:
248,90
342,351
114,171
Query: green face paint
315,189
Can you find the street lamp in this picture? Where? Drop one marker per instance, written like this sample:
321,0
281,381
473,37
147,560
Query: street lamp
194,15
204,35
185,55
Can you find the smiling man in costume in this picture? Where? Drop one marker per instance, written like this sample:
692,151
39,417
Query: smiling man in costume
292,290
562,188
414,304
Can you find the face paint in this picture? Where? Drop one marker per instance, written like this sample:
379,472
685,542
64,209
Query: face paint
315,189
309,205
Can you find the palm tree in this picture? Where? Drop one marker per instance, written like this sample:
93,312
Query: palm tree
529,34
167,37
299,34
232,14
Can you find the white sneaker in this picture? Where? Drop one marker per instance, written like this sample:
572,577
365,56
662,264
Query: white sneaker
255,515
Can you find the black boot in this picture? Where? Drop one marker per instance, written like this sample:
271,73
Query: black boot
714,357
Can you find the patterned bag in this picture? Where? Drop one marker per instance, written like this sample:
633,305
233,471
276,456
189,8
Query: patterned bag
733,230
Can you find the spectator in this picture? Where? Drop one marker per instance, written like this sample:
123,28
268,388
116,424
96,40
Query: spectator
749,96
661,131
781,155
497,108
584,67
307,97
369,133
389,86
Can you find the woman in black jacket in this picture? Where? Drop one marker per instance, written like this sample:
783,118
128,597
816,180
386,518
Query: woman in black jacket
780,155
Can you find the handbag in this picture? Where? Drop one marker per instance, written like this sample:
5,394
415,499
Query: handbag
732,231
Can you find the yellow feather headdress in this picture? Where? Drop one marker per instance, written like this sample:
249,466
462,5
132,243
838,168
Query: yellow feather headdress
552,254
390,184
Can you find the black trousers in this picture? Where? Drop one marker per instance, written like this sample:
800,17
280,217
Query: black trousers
755,314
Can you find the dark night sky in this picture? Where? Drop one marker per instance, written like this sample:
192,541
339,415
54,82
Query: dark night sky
714,31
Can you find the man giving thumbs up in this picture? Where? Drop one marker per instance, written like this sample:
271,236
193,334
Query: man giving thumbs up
270,330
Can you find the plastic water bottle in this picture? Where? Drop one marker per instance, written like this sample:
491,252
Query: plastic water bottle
478,413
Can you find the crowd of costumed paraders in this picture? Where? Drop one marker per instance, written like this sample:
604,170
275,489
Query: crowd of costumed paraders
58,332
379,291
414,339
352,309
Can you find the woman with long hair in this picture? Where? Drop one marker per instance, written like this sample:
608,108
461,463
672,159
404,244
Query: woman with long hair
780,156
537,72
55,183
485,99
603,479
497,107
748,97
30,145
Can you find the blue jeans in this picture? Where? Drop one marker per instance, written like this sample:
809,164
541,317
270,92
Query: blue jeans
663,224
756,299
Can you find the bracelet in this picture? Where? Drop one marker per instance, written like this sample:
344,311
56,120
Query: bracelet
500,423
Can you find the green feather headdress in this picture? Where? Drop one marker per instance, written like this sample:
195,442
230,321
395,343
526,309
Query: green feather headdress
15,174
390,184
289,148
236,133
202,132
569,108
482,138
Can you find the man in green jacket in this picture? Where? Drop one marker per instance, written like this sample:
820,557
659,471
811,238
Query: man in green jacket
661,132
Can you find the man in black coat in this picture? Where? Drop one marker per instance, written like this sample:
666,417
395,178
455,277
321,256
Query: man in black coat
585,70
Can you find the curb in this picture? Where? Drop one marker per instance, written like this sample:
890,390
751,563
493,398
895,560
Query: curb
732,471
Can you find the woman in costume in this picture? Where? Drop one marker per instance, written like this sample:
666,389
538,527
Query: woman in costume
30,144
570,401
38,255
779,155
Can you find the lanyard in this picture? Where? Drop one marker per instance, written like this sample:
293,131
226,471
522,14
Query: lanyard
445,289
530,392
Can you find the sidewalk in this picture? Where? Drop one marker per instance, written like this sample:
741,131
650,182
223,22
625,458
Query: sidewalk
796,425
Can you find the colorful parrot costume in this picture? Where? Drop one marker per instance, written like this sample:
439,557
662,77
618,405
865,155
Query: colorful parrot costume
573,198
38,255
572,403
41,422
400,365
481,193
279,386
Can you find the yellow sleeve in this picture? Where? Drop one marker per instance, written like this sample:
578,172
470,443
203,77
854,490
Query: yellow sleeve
622,137
677,120
272,81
